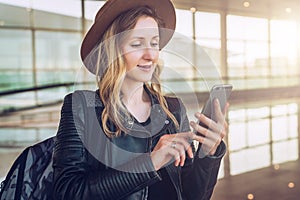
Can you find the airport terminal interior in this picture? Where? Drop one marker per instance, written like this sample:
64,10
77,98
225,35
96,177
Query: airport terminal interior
252,44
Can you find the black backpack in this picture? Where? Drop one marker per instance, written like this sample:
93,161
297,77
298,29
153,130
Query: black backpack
31,175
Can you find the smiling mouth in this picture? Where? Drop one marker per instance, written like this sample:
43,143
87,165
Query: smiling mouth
144,67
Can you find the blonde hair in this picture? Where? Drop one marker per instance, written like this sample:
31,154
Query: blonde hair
111,72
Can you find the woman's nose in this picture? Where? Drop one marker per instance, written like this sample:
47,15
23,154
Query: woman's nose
150,53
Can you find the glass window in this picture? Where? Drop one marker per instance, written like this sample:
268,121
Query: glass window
237,136
184,22
57,61
20,16
284,40
91,8
293,126
247,49
284,123
284,151
258,113
249,159
208,34
17,135
207,25
259,137
258,132
66,7
178,56
246,28
16,59
57,56
279,128
43,19
45,14
24,136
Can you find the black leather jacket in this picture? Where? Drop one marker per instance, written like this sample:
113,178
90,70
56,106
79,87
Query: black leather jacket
89,165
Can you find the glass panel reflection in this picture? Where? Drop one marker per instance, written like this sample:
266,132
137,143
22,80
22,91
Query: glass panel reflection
259,137
249,159
284,151
237,137
258,132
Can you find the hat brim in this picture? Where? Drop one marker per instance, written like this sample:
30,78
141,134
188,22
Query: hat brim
113,8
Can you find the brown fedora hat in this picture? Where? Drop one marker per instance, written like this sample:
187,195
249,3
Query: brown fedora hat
113,8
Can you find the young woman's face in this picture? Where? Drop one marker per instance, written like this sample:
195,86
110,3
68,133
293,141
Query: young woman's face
141,50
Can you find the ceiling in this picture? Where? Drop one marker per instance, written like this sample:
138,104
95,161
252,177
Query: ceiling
275,9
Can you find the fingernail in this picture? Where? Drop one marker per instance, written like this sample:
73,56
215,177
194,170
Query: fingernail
217,102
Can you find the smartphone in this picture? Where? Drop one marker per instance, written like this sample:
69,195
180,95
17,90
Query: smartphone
222,93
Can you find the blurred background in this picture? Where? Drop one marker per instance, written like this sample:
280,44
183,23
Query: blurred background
254,44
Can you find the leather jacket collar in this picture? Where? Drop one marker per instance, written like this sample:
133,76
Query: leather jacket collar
158,118
138,140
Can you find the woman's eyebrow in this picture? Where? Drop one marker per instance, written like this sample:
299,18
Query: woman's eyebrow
137,37
142,37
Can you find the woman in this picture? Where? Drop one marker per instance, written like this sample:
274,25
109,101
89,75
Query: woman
126,140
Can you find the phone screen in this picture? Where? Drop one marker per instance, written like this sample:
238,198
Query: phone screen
222,93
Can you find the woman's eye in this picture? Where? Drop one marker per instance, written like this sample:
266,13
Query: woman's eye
140,44
135,45
154,44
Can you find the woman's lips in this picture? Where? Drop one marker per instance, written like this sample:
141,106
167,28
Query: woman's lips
145,67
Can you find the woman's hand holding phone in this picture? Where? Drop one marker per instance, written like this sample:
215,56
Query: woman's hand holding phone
208,131
211,131
174,146
212,125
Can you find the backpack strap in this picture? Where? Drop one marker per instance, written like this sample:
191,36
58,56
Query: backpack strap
29,172
15,176
20,178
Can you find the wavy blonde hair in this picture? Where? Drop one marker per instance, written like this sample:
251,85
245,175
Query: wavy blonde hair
111,72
